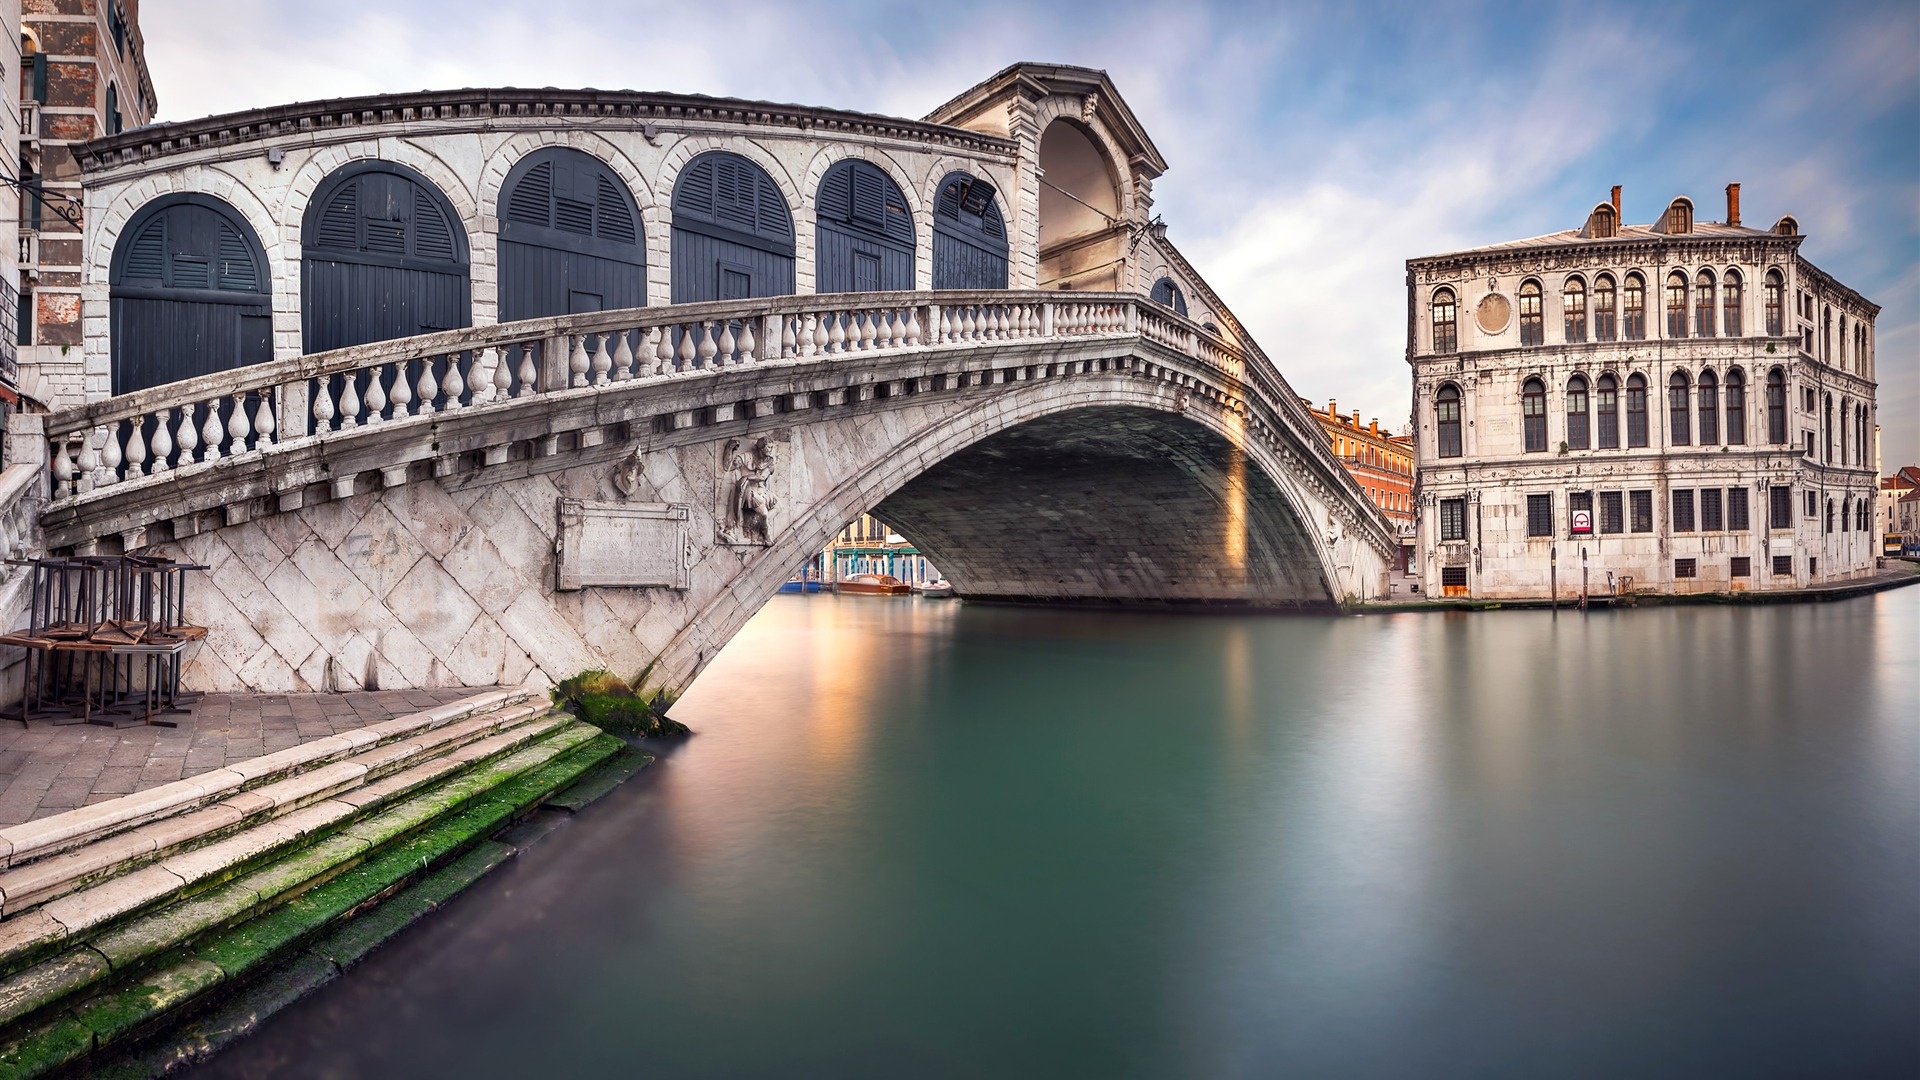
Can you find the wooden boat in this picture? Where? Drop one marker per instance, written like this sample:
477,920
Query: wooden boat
873,585
937,589
800,585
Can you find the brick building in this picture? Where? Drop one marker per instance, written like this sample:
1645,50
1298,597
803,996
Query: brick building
83,74
1381,461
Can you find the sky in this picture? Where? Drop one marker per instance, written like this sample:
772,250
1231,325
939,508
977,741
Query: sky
1312,148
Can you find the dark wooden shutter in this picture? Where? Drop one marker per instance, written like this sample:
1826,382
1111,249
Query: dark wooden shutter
864,240
189,294
385,259
569,238
728,210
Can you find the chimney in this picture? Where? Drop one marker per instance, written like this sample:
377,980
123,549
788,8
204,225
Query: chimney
1333,409
1356,418
1616,202
1374,428
1733,204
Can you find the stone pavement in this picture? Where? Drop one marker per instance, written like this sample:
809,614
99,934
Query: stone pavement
50,768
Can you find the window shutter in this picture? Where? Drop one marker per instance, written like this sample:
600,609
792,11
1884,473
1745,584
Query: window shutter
191,272
237,271
433,235
693,195
339,224
836,195
772,217
147,260
529,202
733,195
615,220
570,215
869,195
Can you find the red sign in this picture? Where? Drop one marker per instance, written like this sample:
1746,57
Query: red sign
1582,522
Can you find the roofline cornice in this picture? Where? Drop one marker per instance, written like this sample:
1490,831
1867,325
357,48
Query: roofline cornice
1616,250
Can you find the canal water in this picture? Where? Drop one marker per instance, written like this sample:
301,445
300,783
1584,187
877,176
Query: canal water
919,838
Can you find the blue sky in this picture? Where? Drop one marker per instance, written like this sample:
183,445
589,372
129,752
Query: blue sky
1313,148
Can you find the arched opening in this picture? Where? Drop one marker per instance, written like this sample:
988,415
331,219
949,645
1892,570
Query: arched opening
190,294
864,237
732,232
1679,430
1605,318
571,240
1776,407
1533,415
1532,323
1709,408
1606,400
1736,391
1081,241
1168,294
1577,415
1446,329
1446,415
382,256
969,235
1573,305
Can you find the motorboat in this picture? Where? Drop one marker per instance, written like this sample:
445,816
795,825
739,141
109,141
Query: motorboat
800,585
937,589
873,585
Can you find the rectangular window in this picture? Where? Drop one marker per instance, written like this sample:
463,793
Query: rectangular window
24,328
1685,568
1783,566
1580,513
1813,567
1613,516
1780,512
1813,504
1737,520
1453,519
1641,504
1742,566
1682,509
1539,515
1453,580
1710,519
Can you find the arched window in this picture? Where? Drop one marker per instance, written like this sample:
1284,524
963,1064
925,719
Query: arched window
1168,294
1606,400
1775,291
1603,223
1730,288
1636,410
1678,429
1532,327
1846,512
1633,300
1826,335
1533,415
190,293
1846,414
1860,435
1679,219
1676,305
1446,415
732,232
1445,322
1577,417
382,256
1736,407
1604,316
1826,429
570,238
1709,403
1573,302
969,238
1776,407
864,234
1703,304
1829,515
114,123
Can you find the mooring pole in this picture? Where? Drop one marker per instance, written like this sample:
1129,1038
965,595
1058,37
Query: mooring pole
1553,576
1583,577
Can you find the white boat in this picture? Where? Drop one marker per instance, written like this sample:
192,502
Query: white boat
936,589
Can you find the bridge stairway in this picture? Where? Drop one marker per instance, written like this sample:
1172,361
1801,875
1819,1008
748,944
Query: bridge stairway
121,920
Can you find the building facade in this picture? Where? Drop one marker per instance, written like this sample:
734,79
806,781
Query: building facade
869,546
1685,406
11,85
1381,462
83,75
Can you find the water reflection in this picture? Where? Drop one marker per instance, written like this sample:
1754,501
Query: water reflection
935,839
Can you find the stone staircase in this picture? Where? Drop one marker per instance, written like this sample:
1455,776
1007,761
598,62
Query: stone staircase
120,919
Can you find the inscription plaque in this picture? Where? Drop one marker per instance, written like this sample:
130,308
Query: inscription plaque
624,545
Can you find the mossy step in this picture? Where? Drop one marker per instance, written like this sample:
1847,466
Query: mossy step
404,836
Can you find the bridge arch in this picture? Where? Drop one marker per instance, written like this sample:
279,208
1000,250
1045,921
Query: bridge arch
383,255
571,238
191,291
864,235
1080,209
733,231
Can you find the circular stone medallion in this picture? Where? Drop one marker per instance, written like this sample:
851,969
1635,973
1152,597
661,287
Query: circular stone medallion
1493,313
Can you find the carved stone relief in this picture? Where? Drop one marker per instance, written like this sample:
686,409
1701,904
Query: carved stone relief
1493,313
750,471
624,544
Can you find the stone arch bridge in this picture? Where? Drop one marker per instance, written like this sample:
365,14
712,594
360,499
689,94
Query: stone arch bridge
353,357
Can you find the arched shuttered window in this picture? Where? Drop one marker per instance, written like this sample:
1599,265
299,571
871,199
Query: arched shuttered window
1679,430
1731,298
1736,390
1532,326
732,232
1633,298
1636,410
1168,294
1776,407
1446,414
1533,415
1604,317
1446,332
190,294
383,256
969,236
1606,398
1709,407
570,238
1577,416
865,234
1574,304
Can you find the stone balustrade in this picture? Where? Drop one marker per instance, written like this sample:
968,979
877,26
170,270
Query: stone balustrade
22,496
142,437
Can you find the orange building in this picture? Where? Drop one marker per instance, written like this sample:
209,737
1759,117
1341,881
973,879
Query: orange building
1382,463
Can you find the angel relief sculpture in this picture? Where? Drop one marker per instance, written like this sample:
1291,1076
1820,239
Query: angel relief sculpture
748,493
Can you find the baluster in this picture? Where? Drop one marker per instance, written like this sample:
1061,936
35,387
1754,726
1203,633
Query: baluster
162,440
706,348
188,434
1005,329
943,332
969,327
602,359
727,343
869,330
137,447
913,327
62,467
237,427
528,373
376,394
402,389
661,338
263,419
454,386
428,386
822,329
803,328
622,355
746,341
836,337
89,462
110,455
683,356
499,376
577,363
349,399
213,433
788,346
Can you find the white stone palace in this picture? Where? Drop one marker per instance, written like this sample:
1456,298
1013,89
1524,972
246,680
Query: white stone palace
1686,406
